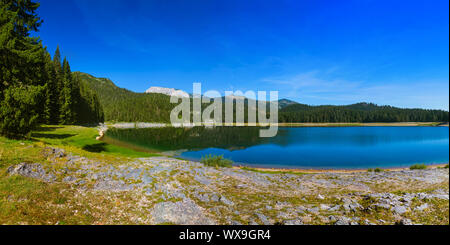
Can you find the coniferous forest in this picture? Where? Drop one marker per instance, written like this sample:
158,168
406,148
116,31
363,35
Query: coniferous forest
34,87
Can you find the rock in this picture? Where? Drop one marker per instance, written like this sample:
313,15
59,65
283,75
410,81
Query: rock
35,171
293,222
313,210
343,221
332,218
320,197
405,222
352,207
422,207
335,208
185,212
324,207
399,209
263,219
226,201
215,198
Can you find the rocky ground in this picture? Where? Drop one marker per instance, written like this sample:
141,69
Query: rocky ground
172,191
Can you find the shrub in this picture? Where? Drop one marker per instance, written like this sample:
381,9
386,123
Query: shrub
418,167
378,170
216,161
446,166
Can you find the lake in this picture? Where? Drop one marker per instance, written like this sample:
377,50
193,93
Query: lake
301,147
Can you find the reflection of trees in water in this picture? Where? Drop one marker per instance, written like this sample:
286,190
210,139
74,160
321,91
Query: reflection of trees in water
236,138
171,139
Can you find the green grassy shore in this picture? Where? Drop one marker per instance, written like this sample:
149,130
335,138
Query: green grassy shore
29,201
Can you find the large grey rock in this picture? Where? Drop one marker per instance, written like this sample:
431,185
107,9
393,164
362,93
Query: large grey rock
422,207
35,171
399,209
185,212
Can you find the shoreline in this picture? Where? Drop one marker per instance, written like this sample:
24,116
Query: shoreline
318,171
142,125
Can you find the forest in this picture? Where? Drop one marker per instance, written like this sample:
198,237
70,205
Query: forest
358,113
34,87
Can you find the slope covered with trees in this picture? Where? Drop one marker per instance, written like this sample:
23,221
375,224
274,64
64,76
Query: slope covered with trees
123,105
34,88
362,112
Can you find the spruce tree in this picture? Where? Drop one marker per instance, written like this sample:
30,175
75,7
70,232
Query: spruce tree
21,67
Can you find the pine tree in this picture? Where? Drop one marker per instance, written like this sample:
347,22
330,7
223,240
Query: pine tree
66,112
21,66
52,94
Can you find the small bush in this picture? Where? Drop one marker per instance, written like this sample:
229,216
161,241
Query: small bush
446,166
378,170
216,161
418,167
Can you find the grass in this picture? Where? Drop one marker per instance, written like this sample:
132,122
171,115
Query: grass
82,140
418,167
216,161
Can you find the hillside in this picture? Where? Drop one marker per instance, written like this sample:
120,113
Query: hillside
361,112
123,105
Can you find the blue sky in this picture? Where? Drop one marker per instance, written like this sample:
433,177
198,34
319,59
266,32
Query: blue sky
314,52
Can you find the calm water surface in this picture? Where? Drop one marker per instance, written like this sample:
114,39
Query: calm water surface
321,147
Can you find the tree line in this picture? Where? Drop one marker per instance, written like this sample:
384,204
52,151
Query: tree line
362,113
34,87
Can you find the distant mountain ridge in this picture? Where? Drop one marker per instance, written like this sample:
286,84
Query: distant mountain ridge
123,105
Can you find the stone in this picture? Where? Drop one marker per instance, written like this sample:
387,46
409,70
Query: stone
185,212
293,222
405,222
343,221
320,197
422,207
263,219
399,209
225,201
324,207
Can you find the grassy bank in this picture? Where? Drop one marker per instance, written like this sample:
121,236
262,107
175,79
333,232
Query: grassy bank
28,201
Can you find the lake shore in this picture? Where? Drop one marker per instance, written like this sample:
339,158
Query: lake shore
318,171
131,125
84,181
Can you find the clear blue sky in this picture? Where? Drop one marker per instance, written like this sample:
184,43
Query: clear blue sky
316,52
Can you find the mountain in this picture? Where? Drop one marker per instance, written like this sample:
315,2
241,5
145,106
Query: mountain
167,91
283,103
122,105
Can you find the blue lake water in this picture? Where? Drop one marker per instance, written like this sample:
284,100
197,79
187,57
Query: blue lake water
316,147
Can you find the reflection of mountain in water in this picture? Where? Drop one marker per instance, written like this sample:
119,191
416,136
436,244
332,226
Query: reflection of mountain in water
238,138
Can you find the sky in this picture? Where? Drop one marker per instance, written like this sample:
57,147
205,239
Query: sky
312,51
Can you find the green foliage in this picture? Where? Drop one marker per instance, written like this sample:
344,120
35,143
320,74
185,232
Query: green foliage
122,105
216,161
18,115
418,167
377,170
446,166
33,87
358,113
